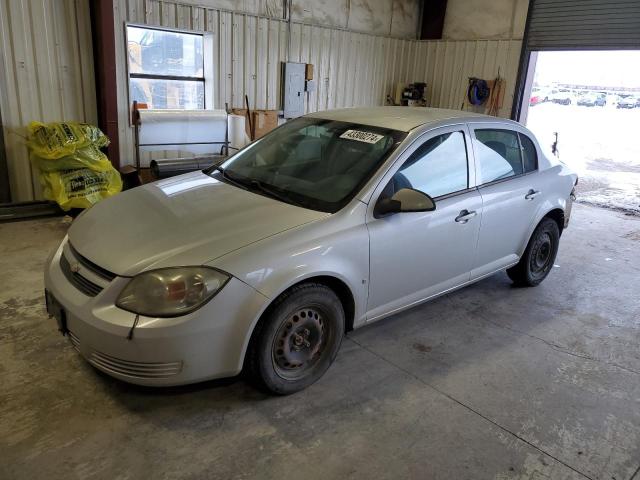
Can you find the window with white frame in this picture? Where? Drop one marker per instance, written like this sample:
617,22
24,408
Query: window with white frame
166,68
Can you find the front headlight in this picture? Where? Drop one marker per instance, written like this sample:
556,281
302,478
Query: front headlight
170,292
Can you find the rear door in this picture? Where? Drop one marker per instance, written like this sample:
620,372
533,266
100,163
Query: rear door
509,184
415,255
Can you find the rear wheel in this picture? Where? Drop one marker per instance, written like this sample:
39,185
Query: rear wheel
297,340
539,256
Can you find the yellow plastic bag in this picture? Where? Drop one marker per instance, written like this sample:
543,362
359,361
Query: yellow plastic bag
55,140
80,188
73,171
85,157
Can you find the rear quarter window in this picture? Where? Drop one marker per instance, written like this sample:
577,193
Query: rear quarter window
529,154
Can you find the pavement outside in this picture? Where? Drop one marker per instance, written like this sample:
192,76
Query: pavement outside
600,144
487,382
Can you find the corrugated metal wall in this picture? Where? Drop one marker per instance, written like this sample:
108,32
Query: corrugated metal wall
47,65
447,65
46,74
352,69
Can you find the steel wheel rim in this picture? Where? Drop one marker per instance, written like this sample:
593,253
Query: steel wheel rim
541,254
300,341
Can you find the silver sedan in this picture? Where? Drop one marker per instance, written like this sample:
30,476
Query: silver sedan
332,221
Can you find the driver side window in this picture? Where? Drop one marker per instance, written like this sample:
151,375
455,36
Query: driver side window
438,167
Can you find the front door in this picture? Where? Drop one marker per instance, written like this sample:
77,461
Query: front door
416,255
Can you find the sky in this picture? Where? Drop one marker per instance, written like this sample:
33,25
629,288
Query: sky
620,68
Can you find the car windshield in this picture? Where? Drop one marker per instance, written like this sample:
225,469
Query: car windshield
310,162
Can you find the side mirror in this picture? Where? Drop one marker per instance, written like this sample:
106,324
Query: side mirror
404,200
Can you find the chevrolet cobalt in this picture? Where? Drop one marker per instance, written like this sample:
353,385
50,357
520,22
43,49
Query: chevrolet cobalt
329,222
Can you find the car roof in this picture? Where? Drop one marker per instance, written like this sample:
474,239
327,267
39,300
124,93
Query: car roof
402,118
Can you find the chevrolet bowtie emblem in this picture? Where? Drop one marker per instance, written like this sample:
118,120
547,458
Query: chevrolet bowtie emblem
75,268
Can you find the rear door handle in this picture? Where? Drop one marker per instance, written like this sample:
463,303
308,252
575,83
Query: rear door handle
532,194
465,216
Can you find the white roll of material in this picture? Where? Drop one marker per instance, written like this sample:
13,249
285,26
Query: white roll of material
175,129
238,137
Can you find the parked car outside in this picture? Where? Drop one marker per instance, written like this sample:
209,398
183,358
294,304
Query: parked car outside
563,97
534,100
626,102
543,93
539,95
601,99
330,222
592,100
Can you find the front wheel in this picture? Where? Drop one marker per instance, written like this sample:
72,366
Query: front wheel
539,256
297,340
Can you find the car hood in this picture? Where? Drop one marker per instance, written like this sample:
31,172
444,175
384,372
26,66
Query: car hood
186,220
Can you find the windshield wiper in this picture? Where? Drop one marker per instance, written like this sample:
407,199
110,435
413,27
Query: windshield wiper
228,177
252,184
258,185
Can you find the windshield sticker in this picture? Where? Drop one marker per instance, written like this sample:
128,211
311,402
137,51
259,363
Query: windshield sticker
360,136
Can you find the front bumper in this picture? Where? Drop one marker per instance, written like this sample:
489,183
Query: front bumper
205,344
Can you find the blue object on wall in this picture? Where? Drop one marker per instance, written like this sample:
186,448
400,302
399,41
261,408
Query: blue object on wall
478,91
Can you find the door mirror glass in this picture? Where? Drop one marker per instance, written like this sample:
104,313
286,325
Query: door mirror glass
405,200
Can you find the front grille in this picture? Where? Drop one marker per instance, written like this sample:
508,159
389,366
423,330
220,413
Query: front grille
85,286
92,267
134,369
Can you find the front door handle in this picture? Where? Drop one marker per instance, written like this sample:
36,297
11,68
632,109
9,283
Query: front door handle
465,216
531,194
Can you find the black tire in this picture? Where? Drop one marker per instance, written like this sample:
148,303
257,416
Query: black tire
539,256
297,339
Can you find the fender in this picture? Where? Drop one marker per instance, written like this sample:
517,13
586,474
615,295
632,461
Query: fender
302,253
559,191
541,212
358,313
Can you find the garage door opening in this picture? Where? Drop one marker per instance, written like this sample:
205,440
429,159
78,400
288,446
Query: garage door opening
591,100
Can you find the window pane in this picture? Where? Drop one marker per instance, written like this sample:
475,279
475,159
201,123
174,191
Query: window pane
158,52
498,154
437,168
529,155
175,94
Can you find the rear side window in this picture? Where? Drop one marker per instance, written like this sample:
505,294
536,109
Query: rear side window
498,154
529,155
438,167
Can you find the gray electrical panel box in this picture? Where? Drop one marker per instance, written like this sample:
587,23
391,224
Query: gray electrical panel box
293,89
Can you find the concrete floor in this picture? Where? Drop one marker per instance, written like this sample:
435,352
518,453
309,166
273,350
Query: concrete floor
487,382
